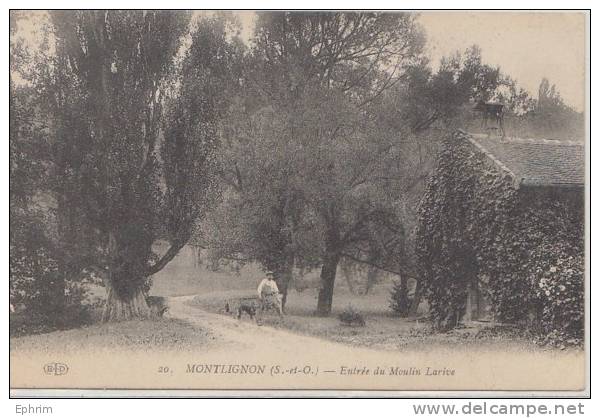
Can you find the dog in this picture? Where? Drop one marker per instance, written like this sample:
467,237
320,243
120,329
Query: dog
158,305
240,306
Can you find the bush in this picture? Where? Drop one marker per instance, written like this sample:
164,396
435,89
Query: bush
73,311
560,290
351,317
399,299
33,274
49,301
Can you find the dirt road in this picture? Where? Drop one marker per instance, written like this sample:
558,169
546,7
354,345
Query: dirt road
246,336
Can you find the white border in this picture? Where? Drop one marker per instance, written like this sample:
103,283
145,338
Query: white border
349,4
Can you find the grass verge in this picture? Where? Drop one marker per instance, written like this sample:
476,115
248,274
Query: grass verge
157,335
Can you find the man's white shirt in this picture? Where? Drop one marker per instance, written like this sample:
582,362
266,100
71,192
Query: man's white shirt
267,284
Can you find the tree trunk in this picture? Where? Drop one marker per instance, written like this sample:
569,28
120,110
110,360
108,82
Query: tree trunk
414,306
198,258
347,272
372,273
402,297
328,272
118,308
283,278
349,282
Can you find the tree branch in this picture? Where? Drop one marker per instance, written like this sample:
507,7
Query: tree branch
176,246
400,272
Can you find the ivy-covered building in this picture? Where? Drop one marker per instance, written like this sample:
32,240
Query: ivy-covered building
501,232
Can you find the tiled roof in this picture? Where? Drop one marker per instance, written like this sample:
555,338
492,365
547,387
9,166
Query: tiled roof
535,162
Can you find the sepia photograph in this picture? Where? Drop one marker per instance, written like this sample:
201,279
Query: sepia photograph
273,203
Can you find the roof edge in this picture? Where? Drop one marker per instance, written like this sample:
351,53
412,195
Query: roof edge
516,180
546,141
536,183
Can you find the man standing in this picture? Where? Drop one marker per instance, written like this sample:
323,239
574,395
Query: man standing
269,294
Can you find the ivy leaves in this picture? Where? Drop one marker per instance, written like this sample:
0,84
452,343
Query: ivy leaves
525,246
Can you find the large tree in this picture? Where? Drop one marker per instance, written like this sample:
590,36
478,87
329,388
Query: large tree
330,70
134,140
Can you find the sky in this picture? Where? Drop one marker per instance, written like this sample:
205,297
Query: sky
526,45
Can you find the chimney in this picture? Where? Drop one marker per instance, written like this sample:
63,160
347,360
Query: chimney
492,117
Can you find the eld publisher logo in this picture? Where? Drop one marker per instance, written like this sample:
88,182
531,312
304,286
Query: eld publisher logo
56,369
